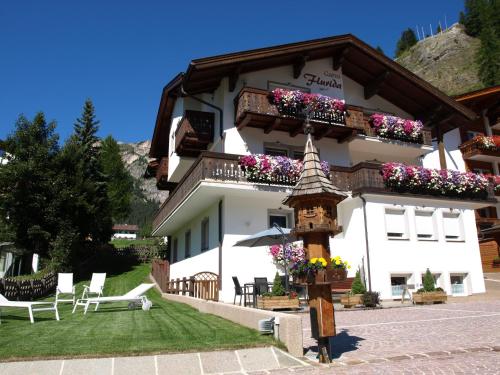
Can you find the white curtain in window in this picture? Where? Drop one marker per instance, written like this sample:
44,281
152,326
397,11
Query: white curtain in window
395,221
424,223
451,223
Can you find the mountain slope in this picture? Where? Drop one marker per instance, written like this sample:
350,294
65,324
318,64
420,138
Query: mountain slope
446,60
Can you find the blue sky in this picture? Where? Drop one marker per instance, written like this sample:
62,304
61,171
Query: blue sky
55,54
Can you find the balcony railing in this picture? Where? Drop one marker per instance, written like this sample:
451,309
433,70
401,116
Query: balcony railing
481,148
253,109
194,133
361,178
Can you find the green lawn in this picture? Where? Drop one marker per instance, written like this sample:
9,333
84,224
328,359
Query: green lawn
121,242
113,329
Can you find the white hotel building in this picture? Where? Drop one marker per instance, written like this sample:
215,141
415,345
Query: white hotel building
219,110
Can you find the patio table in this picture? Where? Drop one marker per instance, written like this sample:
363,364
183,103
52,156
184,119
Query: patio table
249,290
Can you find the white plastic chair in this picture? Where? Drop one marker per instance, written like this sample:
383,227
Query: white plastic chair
95,288
65,286
31,306
136,297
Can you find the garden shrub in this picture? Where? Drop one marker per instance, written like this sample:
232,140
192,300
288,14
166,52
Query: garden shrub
278,289
371,299
357,286
428,282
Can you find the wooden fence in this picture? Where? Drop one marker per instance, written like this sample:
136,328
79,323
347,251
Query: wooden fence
28,290
203,285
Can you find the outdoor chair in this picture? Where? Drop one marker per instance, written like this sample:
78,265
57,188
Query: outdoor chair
238,290
135,297
95,288
65,286
31,306
261,286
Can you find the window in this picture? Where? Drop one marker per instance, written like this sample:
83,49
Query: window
398,284
275,151
176,251
457,284
395,224
425,225
204,234
281,220
299,155
452,226
187,244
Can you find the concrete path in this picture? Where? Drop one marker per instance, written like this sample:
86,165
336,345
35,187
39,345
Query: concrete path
244,361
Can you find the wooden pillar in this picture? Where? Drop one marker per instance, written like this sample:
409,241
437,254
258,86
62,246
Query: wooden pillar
441,148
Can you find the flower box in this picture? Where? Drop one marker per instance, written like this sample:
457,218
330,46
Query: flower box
325,276
351,300
430,297
277,302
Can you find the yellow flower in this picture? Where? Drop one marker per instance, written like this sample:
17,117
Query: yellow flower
323,262
349,267
314,260
337,262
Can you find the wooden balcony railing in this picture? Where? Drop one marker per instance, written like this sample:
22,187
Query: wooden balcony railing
194,132
253,109
477,148
363,177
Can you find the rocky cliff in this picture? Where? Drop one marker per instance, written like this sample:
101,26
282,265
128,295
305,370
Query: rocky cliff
446,60
135,157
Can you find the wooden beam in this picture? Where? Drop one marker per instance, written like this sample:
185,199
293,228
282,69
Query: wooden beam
297,130
375,85
325,133
338,58
246,120
298,65
430,115
233,78
273,126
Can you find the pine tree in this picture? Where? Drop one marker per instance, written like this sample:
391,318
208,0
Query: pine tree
278,289
471,18
120,183
428,281
407,40
357,286
380,50
438,29
27,184
489,54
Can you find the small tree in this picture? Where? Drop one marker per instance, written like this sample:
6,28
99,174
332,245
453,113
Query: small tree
428,282
357,286
379,49
278,289
408,39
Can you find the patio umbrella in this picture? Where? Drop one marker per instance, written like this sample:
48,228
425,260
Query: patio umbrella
269,237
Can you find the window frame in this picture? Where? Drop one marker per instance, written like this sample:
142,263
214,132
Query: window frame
205,234
187,244
175,250
405,235
461,236
434,236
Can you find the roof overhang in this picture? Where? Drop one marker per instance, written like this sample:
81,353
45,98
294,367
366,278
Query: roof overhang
358,61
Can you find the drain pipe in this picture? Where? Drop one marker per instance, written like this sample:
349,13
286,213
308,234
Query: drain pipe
221,120
366,243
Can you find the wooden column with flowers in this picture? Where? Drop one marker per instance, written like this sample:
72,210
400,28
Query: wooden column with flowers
314,200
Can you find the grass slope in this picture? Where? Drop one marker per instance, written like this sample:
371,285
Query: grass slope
113,329
120,242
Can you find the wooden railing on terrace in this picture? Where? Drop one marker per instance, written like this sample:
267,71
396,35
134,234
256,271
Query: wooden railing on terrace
474,147
194,133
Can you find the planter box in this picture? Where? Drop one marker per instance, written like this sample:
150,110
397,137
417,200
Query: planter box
350,300
429,297
324,276
277,303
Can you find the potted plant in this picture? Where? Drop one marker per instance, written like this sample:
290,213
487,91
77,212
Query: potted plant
370,299
319,270
354,296
496,262
277,298
429,293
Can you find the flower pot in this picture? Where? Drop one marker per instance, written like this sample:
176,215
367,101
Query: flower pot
351,300
277,303
325,276
429,297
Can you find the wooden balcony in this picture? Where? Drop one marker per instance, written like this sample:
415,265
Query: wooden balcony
194,133
162,182
253,109
216,167
475,149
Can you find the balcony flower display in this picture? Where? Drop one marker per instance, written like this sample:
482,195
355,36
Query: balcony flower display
308,268
397,128
274,169
495,180
487,143
419,180
293,252
317,106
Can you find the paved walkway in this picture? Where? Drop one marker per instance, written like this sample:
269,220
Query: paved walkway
244,361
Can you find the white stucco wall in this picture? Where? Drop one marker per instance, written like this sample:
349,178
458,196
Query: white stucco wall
454,158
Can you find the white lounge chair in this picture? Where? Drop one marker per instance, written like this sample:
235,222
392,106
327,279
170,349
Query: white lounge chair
65,286
96,287
135,296
31,306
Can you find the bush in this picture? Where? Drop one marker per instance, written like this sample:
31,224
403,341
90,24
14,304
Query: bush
357,286
370,299
278,289
428,282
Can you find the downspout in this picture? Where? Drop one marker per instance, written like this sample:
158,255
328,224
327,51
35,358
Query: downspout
221,119
366,243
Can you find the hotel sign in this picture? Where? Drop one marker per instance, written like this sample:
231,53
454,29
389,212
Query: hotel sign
323,81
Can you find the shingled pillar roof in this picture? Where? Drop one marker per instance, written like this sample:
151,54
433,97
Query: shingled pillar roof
313,180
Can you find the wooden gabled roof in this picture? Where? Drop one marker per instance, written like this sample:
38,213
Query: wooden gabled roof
487,99
313,180
377,73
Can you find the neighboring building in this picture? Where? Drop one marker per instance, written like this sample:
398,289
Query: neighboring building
126,231
10,260
218,110
480,147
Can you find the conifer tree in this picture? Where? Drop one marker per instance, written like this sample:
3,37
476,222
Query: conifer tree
428,282
379,49
407,40
357,286
489,53
278,289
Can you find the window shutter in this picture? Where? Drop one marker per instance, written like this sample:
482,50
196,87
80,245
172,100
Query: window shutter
424,224
451,223
395,223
